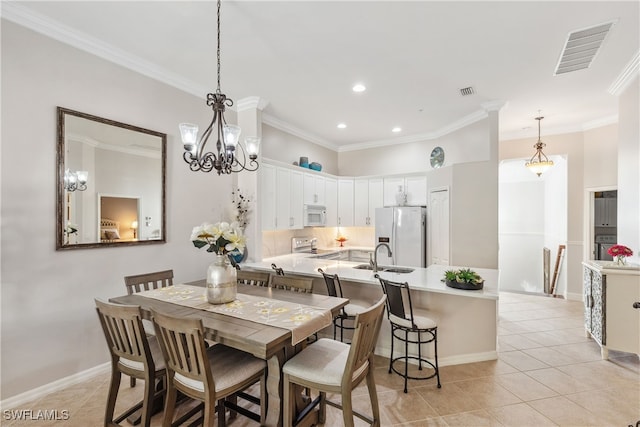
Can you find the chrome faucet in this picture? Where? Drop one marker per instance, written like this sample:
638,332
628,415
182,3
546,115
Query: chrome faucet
374,262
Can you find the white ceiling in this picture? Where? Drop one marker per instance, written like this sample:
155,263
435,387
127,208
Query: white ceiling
304,56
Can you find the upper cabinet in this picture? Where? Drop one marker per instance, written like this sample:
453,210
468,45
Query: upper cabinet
414,188
368,195
606,212
345,202
331,201
314,189
282,207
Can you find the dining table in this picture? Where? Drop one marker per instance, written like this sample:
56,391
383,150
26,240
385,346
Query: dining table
259,336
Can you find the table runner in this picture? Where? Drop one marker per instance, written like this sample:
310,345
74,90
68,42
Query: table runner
302,320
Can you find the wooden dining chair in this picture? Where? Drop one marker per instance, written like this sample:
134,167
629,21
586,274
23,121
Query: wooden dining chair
132,353
291,283
255,278
148,281
144,282
331,366
347,313
213,376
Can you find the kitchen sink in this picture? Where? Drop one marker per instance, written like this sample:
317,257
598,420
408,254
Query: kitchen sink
387,268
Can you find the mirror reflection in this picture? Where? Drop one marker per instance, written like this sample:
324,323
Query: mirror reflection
111,179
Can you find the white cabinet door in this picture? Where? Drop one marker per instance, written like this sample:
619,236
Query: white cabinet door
438,228
331,201
345,202
268,196
416,188
361,202
296,206
375,199
314,191
283,205
606,212
391,187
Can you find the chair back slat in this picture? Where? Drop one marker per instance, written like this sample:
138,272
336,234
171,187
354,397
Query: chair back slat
279,271
365,337
148,281
123,331
398,297
183,346
295,284
255,278
334,288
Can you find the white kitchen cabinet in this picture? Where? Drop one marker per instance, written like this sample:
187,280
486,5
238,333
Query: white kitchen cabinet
331,201
282,207
414,186
314,189
368,195
345,202
606,212
612,306
268,196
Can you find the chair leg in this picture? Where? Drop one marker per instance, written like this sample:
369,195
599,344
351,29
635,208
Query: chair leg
373,395
147,405
391,356
322,414
113,395
406,359
169,406
419,352
435,352
222,422
289,401
347,408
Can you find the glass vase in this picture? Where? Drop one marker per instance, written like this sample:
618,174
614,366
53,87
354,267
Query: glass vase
222,282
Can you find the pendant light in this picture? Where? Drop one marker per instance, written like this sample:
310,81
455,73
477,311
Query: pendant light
539,162
229,156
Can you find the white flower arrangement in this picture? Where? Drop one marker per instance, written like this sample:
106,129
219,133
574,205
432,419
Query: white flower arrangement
222,237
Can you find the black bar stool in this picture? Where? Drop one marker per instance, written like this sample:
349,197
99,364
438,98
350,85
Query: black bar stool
404,322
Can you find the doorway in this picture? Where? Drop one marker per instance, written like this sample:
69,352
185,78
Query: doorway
603,222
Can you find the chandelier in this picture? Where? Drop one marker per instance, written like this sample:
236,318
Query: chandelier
75,180
229,155
539,162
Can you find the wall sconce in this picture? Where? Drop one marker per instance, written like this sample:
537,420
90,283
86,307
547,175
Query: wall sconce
134,227
75,180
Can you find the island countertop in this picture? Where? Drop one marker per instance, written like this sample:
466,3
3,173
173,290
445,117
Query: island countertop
420,279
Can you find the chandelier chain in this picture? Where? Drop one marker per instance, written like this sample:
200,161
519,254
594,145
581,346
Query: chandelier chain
218,51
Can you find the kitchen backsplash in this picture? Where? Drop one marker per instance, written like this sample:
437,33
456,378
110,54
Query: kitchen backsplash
276,243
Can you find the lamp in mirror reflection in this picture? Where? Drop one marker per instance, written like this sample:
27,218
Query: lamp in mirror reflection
539,162
75,180
134,227
229,155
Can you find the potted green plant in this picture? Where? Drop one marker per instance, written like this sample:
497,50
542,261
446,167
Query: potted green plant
465,278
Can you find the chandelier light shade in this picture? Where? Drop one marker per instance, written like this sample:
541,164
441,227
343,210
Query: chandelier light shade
75,180
229,155
539,162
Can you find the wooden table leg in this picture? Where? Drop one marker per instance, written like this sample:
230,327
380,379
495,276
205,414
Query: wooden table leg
274,390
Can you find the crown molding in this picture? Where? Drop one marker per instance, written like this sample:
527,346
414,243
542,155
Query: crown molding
24,16
251,102
560,130
631,70
293,130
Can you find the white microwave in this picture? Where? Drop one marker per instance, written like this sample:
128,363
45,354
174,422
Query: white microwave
315,216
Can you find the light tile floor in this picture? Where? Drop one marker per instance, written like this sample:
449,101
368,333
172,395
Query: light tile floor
547,373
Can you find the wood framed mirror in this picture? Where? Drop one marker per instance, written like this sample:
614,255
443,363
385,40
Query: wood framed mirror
111,183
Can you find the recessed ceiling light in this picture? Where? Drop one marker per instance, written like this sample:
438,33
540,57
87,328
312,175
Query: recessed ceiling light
341,126
359,87
396,129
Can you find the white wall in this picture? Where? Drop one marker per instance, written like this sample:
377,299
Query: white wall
468,144
287,148
49,326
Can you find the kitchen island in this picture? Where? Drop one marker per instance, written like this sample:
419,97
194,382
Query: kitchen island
467,320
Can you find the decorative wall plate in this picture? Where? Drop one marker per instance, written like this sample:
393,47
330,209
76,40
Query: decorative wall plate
437,157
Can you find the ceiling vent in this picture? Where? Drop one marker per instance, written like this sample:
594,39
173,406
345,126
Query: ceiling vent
466,91
581,47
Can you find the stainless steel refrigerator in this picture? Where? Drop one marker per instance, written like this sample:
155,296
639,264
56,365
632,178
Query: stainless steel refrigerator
404,229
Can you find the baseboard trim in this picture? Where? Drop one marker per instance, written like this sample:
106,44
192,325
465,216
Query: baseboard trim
451,360
57,385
